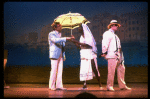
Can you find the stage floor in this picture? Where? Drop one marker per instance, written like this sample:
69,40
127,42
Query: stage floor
139,90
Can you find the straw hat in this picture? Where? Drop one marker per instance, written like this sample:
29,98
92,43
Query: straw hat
112,22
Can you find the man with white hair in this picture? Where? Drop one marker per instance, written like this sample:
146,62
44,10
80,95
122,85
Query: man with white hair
57,56
111,50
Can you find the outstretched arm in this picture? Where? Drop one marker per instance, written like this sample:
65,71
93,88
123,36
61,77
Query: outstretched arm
78,44
52,38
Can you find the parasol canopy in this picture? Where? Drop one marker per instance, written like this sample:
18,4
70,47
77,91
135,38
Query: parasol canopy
71,20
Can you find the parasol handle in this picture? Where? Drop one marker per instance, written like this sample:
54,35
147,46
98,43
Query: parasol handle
71,31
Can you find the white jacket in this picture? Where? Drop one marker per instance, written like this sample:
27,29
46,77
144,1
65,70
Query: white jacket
109,44
55,44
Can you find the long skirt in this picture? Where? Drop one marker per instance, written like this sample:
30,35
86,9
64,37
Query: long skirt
86,72
85,65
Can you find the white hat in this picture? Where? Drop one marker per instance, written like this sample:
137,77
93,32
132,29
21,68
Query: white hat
113,22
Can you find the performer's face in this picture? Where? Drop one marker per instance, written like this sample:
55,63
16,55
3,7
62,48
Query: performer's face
80,29
58,28
114,27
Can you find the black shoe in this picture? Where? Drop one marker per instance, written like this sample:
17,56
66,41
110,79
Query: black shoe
84,87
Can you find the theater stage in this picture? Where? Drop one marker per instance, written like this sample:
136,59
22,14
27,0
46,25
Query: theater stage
139,90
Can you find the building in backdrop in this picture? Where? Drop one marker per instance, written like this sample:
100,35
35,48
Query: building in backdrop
134,27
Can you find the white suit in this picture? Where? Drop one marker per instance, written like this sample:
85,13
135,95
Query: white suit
55,51
110,45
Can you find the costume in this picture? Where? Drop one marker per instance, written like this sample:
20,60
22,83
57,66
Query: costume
86,55
110,43
56,44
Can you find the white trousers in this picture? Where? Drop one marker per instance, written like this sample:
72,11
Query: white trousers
56,73
112,65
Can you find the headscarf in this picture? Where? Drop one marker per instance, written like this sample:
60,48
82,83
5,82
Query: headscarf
89,38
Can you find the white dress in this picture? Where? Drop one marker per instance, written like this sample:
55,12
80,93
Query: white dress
86,55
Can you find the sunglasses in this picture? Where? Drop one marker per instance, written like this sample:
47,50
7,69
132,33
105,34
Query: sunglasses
115,25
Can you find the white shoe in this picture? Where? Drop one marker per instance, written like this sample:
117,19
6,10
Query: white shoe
110,89
126,88
53,89
101,88
6,87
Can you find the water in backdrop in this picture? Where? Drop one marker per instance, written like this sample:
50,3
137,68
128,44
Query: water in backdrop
135,53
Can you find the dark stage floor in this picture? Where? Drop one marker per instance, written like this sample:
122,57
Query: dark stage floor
139,90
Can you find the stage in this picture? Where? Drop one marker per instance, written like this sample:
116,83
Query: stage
139,90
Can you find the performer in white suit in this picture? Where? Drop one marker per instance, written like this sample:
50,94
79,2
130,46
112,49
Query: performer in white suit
112,46
88,55
56,55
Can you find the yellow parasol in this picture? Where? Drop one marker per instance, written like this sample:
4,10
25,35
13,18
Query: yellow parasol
71,20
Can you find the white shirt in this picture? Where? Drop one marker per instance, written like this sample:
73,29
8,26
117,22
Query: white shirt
109,43
85,53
